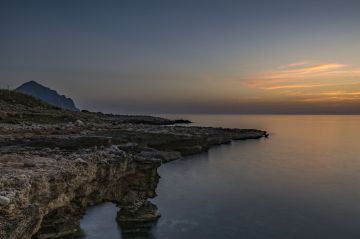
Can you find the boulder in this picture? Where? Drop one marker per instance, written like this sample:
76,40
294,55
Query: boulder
4,201
79,123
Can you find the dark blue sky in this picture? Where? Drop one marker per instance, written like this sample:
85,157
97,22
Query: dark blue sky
187,56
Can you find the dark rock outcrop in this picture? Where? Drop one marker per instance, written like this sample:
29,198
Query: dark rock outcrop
47,95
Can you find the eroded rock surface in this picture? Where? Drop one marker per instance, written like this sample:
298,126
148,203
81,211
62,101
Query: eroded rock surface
50,173
49,199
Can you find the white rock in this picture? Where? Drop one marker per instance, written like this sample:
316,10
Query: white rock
114,148
4,201
79,123
80,160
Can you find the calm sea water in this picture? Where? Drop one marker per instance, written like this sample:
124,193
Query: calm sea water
301,182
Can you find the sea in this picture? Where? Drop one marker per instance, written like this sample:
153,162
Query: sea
303,182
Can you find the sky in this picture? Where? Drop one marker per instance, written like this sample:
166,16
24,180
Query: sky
187,56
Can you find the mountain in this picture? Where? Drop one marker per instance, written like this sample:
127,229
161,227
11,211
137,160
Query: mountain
48,95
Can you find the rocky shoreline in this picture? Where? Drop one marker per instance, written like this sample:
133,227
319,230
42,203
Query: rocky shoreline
50,174
55,163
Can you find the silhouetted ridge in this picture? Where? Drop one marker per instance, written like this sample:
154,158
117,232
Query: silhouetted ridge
48,95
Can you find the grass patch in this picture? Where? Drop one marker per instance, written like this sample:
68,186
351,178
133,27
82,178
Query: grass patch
17,98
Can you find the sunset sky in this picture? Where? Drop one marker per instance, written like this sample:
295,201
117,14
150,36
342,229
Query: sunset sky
187,56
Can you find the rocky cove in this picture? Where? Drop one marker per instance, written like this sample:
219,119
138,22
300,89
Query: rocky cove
51,172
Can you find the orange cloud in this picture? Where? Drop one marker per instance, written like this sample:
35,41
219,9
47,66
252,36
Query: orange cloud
331,96
305,82
289,87
294,86
305,75
295,64
340,93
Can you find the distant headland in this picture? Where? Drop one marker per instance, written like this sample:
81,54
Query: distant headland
48,95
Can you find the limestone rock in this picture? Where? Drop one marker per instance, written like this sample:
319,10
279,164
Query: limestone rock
79,123
4,201
80,160
50,173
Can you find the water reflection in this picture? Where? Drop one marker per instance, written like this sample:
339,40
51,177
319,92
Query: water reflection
138,231
100,222
300,183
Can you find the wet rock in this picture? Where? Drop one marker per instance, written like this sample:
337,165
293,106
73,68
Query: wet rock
139,221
